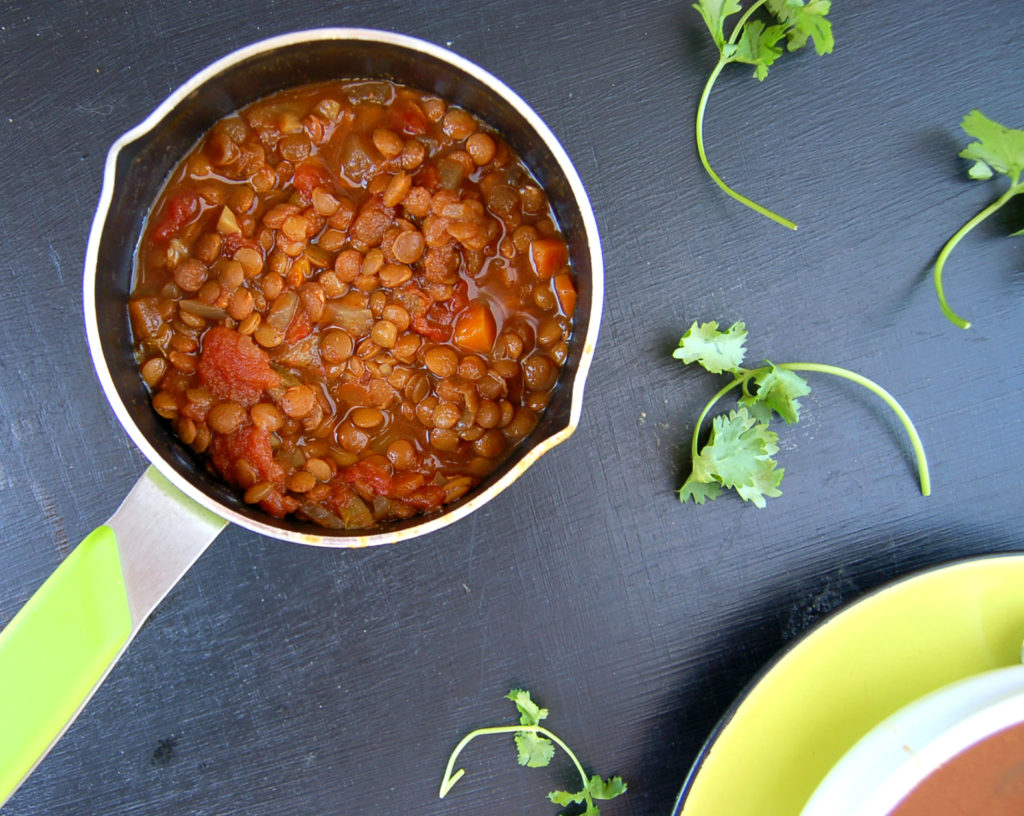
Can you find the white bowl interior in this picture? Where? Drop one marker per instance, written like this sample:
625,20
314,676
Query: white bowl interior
898,754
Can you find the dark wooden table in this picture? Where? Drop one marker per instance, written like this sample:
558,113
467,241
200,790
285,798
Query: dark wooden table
279,679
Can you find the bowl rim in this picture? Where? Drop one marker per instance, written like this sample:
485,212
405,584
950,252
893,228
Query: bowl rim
733,715
210,73
914,742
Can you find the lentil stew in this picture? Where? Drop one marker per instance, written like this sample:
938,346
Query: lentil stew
353,300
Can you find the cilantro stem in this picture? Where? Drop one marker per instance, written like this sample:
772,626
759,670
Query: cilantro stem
702,106
743,376
940,262
738,28
449,779
888,399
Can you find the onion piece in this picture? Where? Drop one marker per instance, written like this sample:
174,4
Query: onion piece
322,516
352,319
227,223
200,309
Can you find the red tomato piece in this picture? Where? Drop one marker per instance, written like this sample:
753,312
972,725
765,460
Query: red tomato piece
428,177
368,475
234,368
437,323
408,118
427,497
405,484
234,241
307,177
423,326
252,444
278,504
300,328
178,211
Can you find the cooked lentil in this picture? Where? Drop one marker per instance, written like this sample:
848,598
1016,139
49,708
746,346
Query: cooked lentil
350,297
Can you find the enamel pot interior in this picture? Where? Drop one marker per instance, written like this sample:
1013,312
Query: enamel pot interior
140,162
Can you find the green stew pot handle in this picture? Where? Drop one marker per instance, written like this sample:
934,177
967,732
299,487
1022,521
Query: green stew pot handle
62,643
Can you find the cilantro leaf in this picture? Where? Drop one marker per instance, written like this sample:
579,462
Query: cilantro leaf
606,788
564,798
717,351
997,149
754,43
739,450
778,390
531,713
737,445
805,20
534,750
758,410
699,489
763,482
714,13
758,46
596,788
536,747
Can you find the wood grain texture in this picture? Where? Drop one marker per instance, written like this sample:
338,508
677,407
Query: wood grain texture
282,679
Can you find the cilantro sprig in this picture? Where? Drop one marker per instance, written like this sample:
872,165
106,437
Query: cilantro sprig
753,43
738,454
535,745
998,149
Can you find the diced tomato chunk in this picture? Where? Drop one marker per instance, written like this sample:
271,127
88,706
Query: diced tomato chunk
234,368
251,443
437,322
428,177
278,504
424,327
307,177
178,211
427,497
460,299
369,475
408,118
300,328
406,483
234,241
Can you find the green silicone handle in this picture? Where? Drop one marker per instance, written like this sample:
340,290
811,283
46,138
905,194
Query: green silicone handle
56,650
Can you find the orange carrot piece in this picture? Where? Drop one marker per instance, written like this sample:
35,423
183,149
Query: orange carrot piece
565,291
475,328
548,256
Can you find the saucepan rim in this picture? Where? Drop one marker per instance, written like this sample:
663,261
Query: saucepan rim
526,456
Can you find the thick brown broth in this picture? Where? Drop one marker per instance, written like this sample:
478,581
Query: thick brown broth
353,300
985,779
